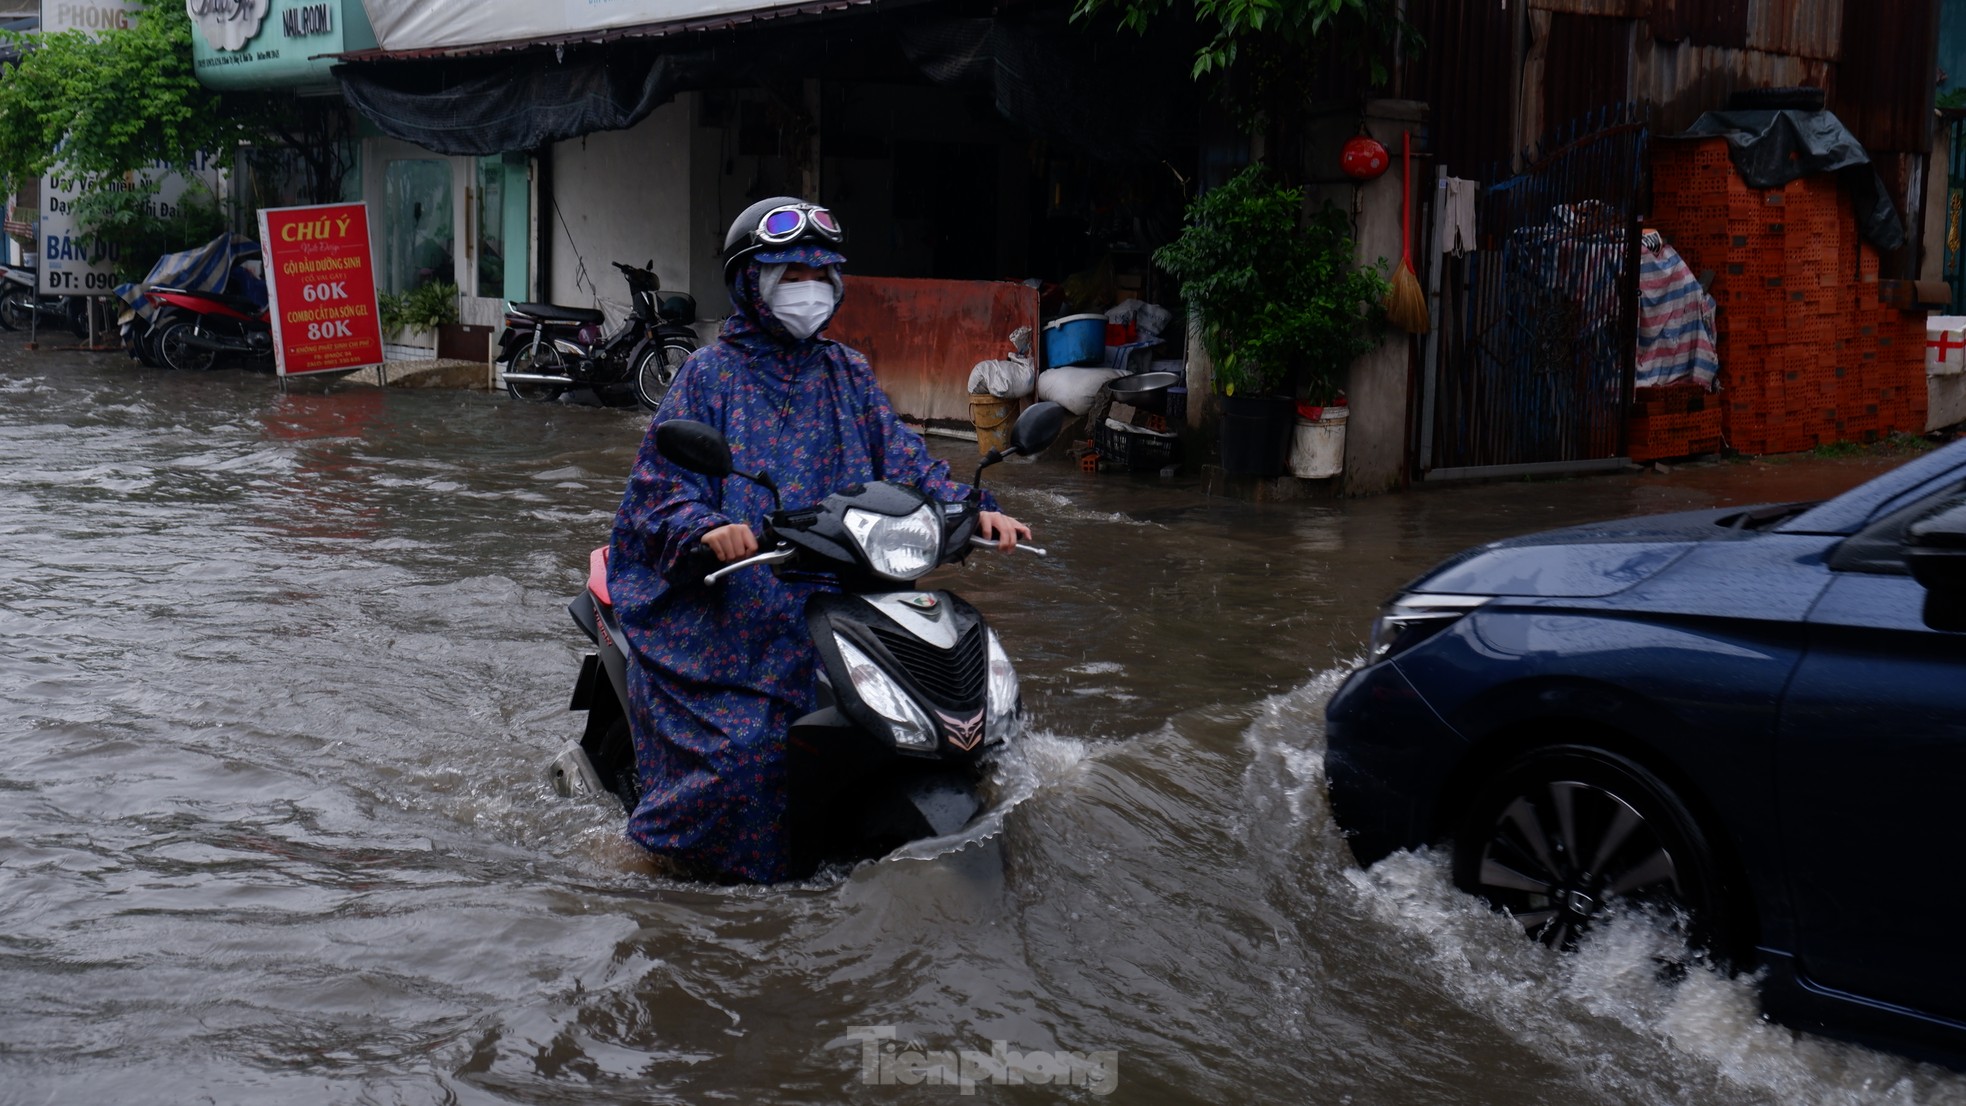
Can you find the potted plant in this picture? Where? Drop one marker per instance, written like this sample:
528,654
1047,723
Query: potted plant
412,318
1282,306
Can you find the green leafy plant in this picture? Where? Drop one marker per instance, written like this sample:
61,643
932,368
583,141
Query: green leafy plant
1265,56
142,228
108,103
1283,307
425,307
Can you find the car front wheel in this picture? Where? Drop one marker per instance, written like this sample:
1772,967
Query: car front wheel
1560,833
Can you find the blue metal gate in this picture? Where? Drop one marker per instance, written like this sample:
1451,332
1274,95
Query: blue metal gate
1531,368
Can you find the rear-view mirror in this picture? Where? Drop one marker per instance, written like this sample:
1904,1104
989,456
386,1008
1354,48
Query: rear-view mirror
1935,551
696,446
1036,428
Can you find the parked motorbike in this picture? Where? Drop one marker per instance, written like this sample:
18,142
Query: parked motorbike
192,330
21,302
914,686
548,351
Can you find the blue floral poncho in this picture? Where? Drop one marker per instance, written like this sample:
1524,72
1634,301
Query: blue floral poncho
721,672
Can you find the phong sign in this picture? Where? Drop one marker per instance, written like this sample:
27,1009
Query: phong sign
320,280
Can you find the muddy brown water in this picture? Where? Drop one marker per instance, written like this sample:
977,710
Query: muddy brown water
281,674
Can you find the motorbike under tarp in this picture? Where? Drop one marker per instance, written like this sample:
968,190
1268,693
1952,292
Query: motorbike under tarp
1773,147
206,268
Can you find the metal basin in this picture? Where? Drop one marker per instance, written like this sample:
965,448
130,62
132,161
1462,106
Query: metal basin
1147,391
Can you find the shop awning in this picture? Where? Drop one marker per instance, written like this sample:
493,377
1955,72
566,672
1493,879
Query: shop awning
1094,92
474,89
415,30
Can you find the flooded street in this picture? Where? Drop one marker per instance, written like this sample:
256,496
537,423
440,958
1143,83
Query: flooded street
281,675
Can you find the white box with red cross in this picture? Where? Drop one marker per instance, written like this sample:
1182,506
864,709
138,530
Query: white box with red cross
1945,345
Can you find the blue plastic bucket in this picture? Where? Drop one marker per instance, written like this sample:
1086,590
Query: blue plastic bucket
1074,340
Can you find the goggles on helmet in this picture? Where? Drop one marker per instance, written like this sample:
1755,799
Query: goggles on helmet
793,222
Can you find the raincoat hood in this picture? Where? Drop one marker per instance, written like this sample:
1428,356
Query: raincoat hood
751,324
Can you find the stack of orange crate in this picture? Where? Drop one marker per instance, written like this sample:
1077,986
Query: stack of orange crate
1678,420
1808,355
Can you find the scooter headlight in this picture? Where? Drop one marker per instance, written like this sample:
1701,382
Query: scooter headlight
906,721
1006,719
901,547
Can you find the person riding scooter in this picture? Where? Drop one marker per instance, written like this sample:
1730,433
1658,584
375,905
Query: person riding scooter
721,671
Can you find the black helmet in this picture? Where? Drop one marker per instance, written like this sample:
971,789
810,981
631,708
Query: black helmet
778,222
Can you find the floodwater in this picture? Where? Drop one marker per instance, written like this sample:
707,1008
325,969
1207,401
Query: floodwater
281,675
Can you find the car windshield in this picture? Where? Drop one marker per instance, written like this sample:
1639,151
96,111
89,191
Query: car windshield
1854,509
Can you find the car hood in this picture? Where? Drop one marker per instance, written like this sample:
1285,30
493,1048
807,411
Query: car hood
1583,562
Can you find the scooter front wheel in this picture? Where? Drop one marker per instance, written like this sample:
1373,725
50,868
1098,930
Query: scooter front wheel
175,351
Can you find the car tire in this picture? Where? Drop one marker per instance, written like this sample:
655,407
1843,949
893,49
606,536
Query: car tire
656,370
1558,833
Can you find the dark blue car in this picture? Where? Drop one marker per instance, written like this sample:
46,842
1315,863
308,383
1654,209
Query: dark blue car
1754,716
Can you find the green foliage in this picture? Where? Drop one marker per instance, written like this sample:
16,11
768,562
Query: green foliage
1950,98
1264,53
425,307
143,229
1281,302
108,104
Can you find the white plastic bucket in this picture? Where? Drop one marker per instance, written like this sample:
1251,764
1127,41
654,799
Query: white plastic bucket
1318,448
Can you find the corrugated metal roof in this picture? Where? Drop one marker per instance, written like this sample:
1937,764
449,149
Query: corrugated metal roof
641,30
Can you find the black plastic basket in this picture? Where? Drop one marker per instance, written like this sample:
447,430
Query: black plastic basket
1134,451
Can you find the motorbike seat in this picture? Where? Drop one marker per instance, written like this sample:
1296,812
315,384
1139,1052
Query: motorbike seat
240,304
554,313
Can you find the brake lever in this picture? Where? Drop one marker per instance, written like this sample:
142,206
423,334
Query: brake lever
986,543
772,557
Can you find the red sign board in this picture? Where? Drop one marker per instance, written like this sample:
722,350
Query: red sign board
320,278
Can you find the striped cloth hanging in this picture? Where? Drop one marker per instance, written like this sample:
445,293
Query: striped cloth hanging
1675,320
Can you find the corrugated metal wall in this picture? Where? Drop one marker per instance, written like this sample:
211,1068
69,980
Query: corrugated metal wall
1468,73
1499,76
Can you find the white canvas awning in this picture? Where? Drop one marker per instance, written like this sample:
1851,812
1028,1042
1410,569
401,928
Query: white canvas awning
404,26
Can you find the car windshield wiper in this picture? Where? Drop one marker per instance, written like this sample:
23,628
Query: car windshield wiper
1760,518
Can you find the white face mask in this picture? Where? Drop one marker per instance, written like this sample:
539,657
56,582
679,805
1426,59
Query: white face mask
802,305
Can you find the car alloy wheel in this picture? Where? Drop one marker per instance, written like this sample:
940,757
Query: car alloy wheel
1562,832
656,370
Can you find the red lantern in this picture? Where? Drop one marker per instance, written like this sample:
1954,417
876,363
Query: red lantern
1364,158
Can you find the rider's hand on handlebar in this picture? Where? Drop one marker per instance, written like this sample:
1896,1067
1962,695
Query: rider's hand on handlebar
731,542
1001,528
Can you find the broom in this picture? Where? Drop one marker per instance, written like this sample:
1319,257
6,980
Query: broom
1406,303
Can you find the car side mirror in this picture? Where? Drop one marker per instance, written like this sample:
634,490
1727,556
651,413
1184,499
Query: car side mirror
1935,551
696,446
